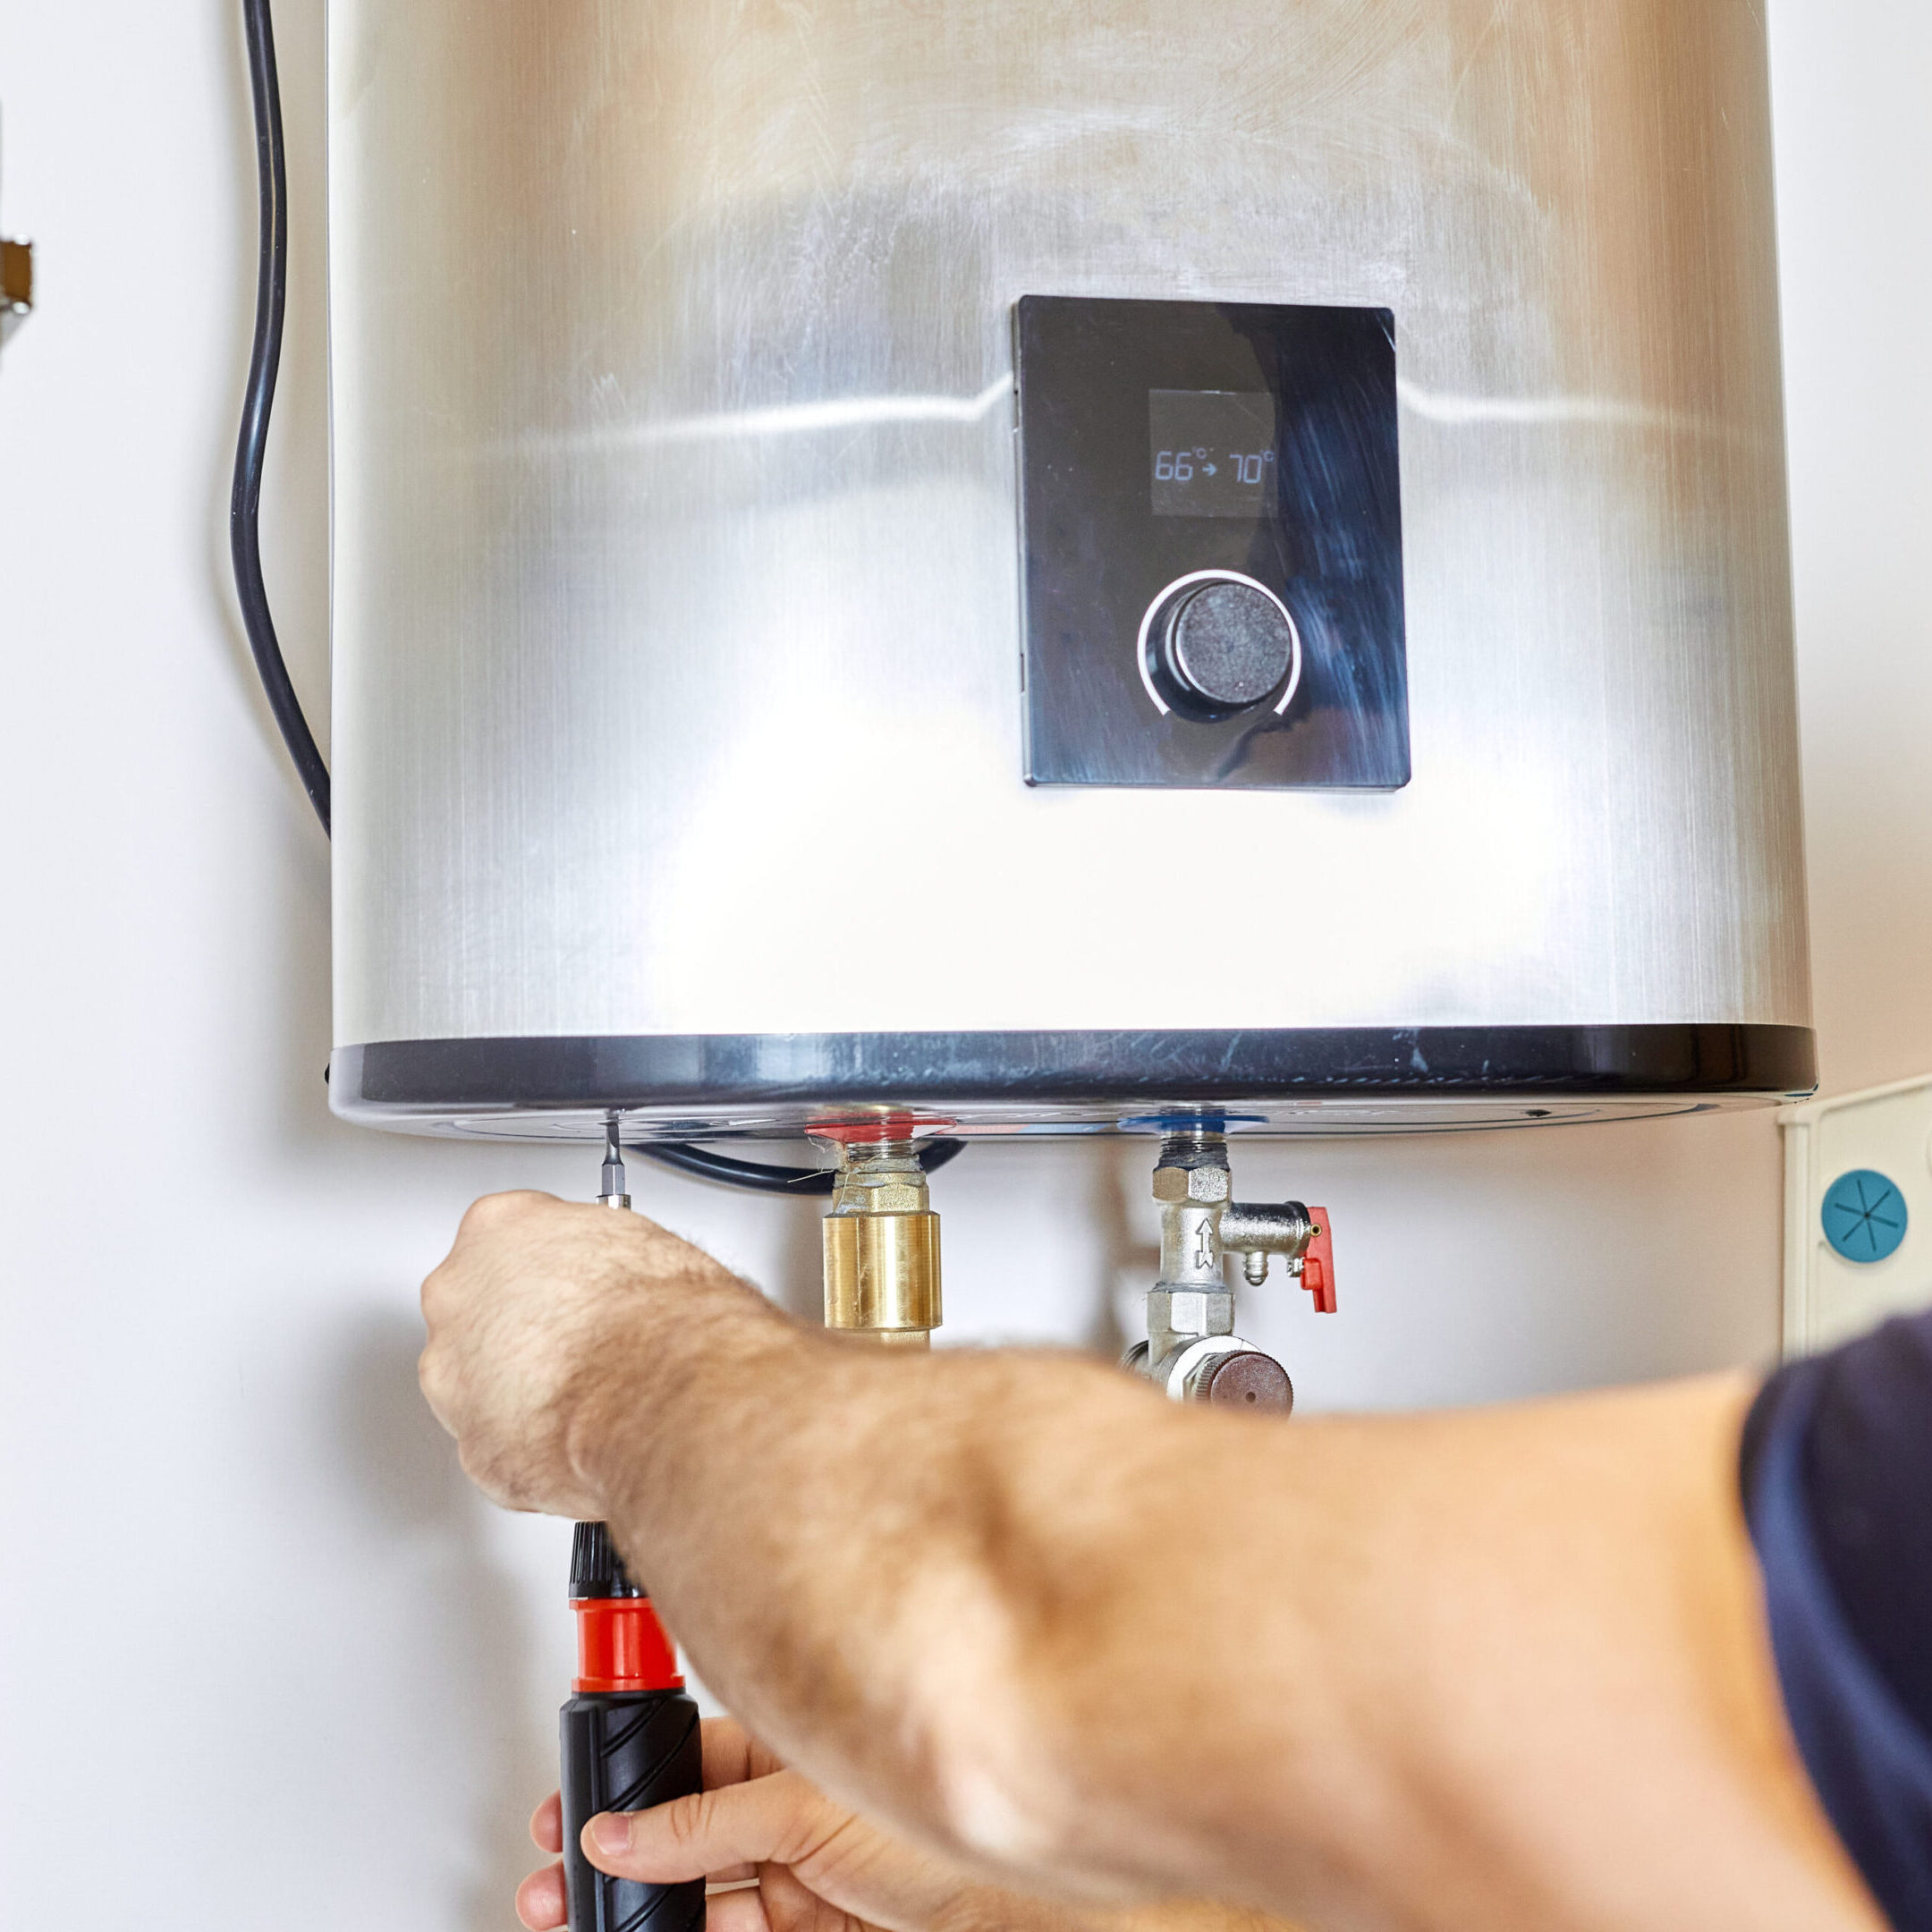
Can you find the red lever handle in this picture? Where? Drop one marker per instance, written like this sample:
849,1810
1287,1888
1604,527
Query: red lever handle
1317,1263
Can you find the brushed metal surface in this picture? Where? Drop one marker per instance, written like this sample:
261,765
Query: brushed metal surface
674,534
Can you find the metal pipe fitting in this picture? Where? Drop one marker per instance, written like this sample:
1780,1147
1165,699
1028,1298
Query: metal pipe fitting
1255,1233
1191,1350
882,1246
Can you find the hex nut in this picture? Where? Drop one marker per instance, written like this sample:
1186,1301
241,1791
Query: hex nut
889,1197
1208,1184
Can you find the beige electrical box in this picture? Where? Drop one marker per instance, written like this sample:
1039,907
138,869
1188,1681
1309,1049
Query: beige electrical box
1858,1212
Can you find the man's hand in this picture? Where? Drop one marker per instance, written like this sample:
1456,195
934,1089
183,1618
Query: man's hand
804,1864
813,1861
542,1307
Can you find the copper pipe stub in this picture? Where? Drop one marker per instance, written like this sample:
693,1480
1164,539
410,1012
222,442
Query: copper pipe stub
882,1246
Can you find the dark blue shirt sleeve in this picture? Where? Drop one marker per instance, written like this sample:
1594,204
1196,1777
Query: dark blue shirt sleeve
1837,1478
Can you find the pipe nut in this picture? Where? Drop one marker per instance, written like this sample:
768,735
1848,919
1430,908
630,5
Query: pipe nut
1204,1184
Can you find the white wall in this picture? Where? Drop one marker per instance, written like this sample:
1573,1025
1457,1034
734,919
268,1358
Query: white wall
1851,80
254,1632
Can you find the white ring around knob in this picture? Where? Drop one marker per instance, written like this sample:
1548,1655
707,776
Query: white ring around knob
1218,576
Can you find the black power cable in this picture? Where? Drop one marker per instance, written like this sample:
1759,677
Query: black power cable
764,1180
244,505
244,540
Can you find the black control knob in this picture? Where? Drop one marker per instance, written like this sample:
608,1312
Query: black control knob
1218,646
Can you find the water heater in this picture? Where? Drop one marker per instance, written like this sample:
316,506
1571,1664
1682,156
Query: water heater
1057,567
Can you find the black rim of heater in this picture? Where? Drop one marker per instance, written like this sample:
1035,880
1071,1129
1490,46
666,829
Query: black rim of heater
706,1073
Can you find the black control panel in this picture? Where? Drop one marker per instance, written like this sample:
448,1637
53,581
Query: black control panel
1211,520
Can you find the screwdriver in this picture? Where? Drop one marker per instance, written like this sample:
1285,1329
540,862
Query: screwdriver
630,1736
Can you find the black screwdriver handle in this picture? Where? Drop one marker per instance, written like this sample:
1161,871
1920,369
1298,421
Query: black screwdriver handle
626,1750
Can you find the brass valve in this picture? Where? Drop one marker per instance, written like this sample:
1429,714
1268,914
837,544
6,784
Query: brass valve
882,1245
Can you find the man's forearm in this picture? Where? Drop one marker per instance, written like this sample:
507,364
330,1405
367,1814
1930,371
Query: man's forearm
1033,1612
1503,1668
873,1608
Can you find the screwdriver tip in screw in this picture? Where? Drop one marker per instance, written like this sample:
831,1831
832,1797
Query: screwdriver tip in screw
612,1192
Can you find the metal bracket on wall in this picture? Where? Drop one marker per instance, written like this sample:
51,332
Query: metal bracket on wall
16,286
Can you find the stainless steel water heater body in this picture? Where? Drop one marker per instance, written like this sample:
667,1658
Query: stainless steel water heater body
1054,566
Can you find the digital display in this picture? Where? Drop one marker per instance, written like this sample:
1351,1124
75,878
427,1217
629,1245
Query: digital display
1211,452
